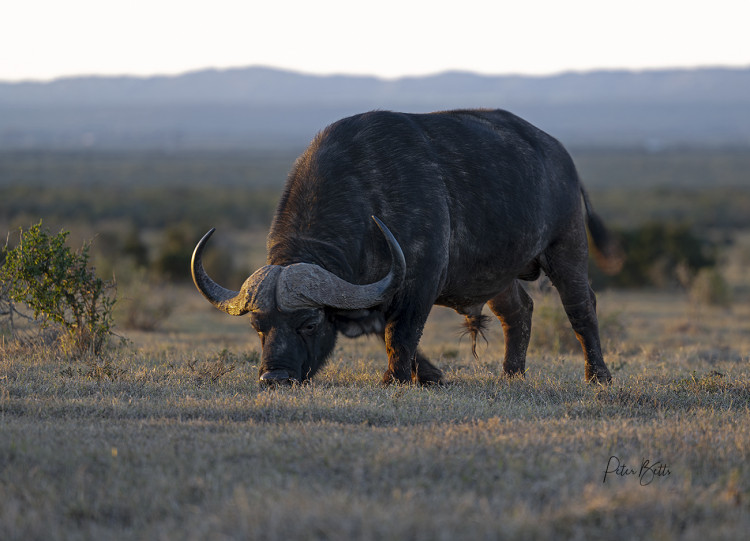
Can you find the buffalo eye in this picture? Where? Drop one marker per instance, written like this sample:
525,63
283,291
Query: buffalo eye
309,328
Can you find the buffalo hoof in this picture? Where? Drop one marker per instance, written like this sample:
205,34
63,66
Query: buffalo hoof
425,373
598,375
429,377
276,378
389,378
515,368
515,372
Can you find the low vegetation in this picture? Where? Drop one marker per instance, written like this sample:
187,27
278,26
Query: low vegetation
59,286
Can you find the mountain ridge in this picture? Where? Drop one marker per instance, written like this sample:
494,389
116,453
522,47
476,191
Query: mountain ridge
254,105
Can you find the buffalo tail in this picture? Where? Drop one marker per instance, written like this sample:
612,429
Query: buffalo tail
607,252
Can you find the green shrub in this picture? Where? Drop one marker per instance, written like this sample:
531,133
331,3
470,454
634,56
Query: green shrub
57,284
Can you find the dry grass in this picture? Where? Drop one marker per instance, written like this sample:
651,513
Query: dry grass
170,437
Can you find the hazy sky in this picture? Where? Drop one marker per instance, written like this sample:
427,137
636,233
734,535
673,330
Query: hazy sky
44,39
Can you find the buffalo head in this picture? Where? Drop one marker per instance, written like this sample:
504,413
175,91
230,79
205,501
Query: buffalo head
298,309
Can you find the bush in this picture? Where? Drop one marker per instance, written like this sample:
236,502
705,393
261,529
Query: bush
145,303
710,288
173,260
57,284
657,254
6,309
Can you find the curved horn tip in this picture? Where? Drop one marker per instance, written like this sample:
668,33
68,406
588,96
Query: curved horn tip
381,225
201,243
393,244
384,229
207,235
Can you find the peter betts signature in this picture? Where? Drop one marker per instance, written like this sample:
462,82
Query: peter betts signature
646,473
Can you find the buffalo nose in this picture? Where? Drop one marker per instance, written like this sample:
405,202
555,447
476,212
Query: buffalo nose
276,377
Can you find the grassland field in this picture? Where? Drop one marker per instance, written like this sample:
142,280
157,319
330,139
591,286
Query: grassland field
170,437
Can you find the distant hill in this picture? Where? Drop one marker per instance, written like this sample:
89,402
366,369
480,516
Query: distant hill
262,107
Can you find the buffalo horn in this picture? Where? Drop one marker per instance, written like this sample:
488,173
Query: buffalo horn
304,285
226,300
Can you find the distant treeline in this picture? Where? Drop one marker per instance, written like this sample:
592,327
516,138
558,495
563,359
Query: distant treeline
79,169
144,190
705,188
149,207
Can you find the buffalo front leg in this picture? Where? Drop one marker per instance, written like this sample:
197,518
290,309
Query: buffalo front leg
401,340
424,372
513,307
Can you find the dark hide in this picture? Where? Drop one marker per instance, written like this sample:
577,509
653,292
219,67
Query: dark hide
477,199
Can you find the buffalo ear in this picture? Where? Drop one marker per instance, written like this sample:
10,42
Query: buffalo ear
354,323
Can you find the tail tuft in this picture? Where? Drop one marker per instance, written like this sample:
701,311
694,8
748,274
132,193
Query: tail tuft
476,326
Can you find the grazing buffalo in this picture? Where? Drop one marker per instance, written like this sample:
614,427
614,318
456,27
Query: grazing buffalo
475,201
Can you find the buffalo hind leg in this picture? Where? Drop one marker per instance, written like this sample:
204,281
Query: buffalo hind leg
513,307
582,316
570,277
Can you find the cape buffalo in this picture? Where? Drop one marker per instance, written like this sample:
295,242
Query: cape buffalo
475,201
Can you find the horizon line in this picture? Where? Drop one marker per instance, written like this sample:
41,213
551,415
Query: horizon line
552,74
